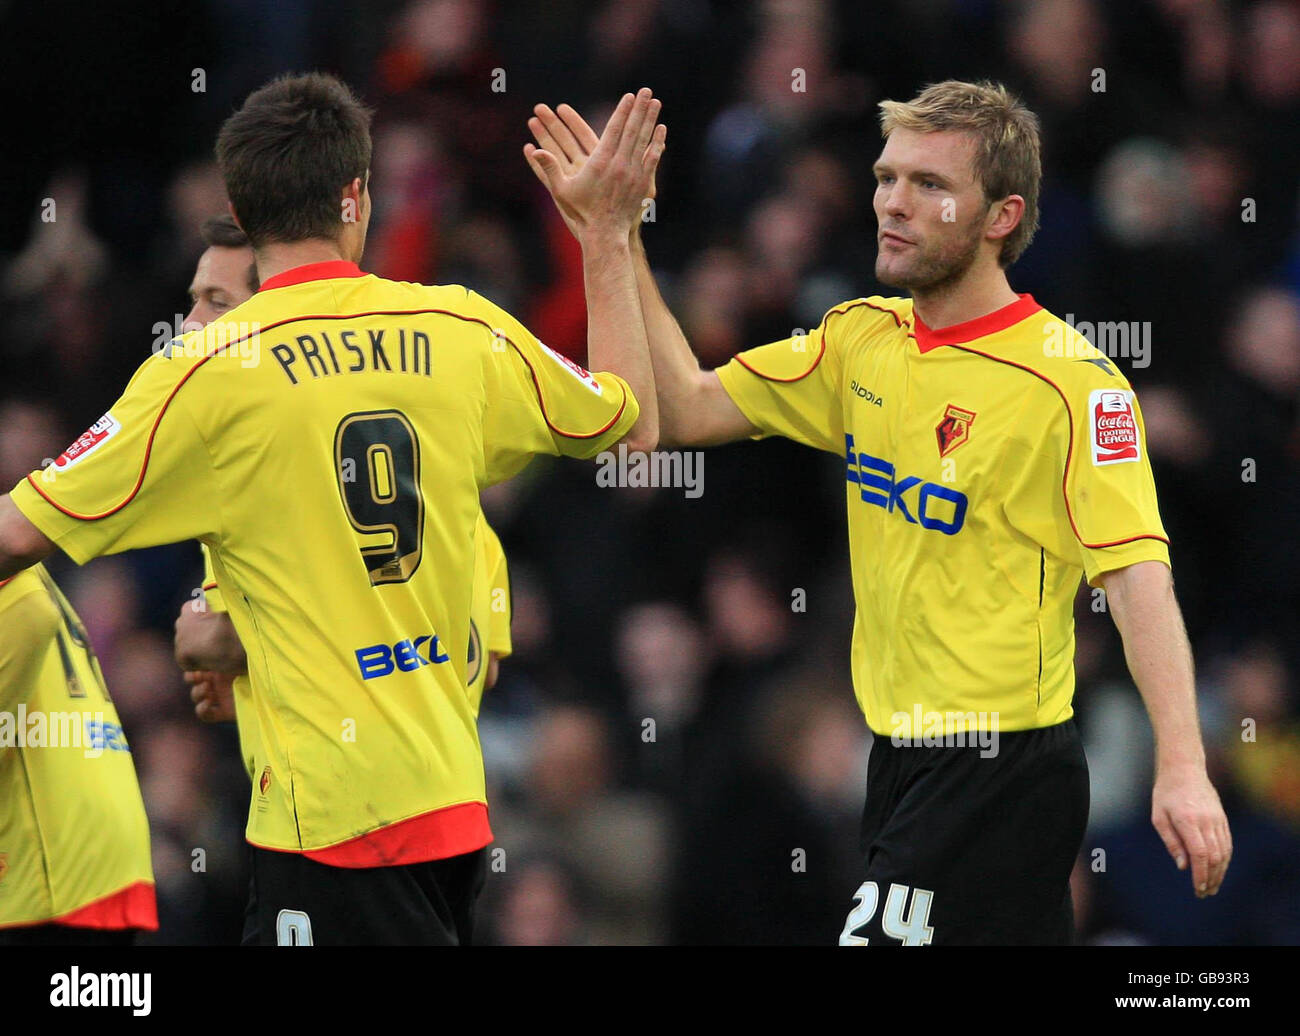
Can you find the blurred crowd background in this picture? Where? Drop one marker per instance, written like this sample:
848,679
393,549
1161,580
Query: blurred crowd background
1172,180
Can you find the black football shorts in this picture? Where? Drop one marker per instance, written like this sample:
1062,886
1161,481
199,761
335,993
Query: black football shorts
295,901
961,849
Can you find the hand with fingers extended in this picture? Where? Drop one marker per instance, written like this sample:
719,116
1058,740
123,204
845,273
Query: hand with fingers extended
599,184
1186,812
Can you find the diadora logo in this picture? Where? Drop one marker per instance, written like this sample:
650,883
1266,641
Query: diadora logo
867,395
931,506
380,659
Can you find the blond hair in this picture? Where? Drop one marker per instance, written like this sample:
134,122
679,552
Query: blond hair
1007,153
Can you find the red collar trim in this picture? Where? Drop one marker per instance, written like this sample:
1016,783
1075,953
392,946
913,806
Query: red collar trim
325,271
990,323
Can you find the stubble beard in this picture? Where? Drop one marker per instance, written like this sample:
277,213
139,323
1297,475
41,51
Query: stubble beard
933,272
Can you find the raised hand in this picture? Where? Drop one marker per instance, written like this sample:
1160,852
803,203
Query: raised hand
599,184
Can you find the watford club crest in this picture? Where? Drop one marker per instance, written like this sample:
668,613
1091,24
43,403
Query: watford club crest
265,782
954,429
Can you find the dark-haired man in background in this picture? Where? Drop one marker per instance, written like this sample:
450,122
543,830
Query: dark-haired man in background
346,424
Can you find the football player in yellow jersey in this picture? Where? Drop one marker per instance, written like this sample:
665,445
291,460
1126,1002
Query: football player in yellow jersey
345,425
207,645
74,839
993,457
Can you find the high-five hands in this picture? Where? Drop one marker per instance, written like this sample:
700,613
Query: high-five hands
599,184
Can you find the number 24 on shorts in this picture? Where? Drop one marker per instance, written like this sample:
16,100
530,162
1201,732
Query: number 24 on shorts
911,930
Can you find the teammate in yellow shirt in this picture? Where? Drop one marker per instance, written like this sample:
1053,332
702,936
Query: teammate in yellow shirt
346,425
992,458
74,839
207,645
206,642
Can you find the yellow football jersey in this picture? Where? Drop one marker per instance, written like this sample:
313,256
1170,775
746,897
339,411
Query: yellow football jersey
74,840
345,426
489,622
988,466
241,689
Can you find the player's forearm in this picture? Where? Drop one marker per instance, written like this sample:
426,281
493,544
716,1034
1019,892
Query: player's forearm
676,369
21,543
1142,602
616,334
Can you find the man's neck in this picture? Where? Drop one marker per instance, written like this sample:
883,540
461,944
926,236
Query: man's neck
972,296
276,257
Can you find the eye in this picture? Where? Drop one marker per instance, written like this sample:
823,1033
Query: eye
884,178
928,184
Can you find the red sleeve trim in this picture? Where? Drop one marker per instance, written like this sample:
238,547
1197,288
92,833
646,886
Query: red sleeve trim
437,835
1069,452
740,359
133,907
537,387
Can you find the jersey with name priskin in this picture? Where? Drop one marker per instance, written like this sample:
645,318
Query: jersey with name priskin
988,466
328,440
74,839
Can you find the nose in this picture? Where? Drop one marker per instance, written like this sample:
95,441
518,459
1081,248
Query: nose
195,319
897,201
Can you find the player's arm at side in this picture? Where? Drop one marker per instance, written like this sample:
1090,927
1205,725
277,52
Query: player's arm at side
22,544
1084,491
1185,808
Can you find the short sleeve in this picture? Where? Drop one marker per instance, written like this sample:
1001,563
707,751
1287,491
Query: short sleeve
539,401
499,603
1086,492
135,478
792,387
